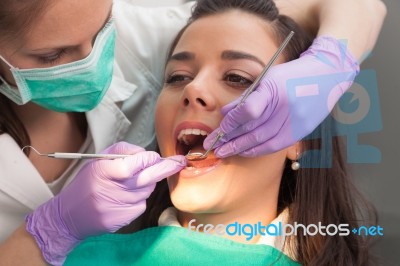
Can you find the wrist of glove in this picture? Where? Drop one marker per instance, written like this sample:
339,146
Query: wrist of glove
290,102
104,196
54,241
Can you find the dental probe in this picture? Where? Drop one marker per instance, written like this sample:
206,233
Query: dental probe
196,156
67,155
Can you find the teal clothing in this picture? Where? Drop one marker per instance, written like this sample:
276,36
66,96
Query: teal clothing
170,245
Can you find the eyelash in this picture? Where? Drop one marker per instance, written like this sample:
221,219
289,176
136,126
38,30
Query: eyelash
51,60
173,79
247,82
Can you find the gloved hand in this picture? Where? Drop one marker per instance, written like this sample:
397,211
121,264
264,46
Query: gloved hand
290,102
104,196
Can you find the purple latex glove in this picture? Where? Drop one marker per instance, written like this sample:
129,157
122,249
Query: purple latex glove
104,196
290,102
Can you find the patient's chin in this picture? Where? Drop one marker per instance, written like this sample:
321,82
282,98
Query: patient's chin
191,203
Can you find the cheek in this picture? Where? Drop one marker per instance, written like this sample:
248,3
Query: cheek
161,111
258,174
164,118
227,95
172,181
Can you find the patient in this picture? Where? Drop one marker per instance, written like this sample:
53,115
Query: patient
213,60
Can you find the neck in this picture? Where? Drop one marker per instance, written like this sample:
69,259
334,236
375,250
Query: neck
51,131
39,121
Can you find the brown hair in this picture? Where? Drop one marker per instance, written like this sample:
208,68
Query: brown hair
16,19
315,193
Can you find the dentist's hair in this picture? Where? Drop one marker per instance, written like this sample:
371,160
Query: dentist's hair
17,17
312,194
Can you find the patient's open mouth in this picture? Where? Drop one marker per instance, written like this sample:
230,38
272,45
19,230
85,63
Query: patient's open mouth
191,139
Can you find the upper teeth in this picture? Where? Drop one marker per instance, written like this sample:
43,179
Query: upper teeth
190,131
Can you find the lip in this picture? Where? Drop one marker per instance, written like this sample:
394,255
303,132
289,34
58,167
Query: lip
192,172
209,161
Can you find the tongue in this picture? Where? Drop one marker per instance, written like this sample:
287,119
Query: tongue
198,147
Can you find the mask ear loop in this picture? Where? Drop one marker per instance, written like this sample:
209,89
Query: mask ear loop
8,64
11,67
295,164
12,93
5,61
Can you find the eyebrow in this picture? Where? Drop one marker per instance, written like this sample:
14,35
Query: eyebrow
237,55
182,56
226,55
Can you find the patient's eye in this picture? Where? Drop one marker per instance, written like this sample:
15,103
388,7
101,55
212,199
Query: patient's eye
177,79
238,80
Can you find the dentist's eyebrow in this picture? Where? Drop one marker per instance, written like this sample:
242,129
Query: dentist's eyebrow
236,55
182,56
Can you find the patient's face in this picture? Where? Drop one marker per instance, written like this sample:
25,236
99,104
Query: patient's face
215,60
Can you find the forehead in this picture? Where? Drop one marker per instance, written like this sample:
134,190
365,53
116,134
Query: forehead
67,22
231,30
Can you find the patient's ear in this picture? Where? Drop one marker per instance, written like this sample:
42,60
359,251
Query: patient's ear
294,151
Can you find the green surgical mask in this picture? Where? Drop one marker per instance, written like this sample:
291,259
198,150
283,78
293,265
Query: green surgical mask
74,87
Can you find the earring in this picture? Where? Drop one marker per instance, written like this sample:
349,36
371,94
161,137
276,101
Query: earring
295,164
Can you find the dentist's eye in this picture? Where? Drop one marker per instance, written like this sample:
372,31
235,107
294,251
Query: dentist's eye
177,79
52,58
238,80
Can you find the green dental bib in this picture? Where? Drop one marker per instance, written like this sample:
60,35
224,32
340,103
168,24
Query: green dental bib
169,245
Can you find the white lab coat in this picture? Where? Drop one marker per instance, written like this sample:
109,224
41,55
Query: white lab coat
143,38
